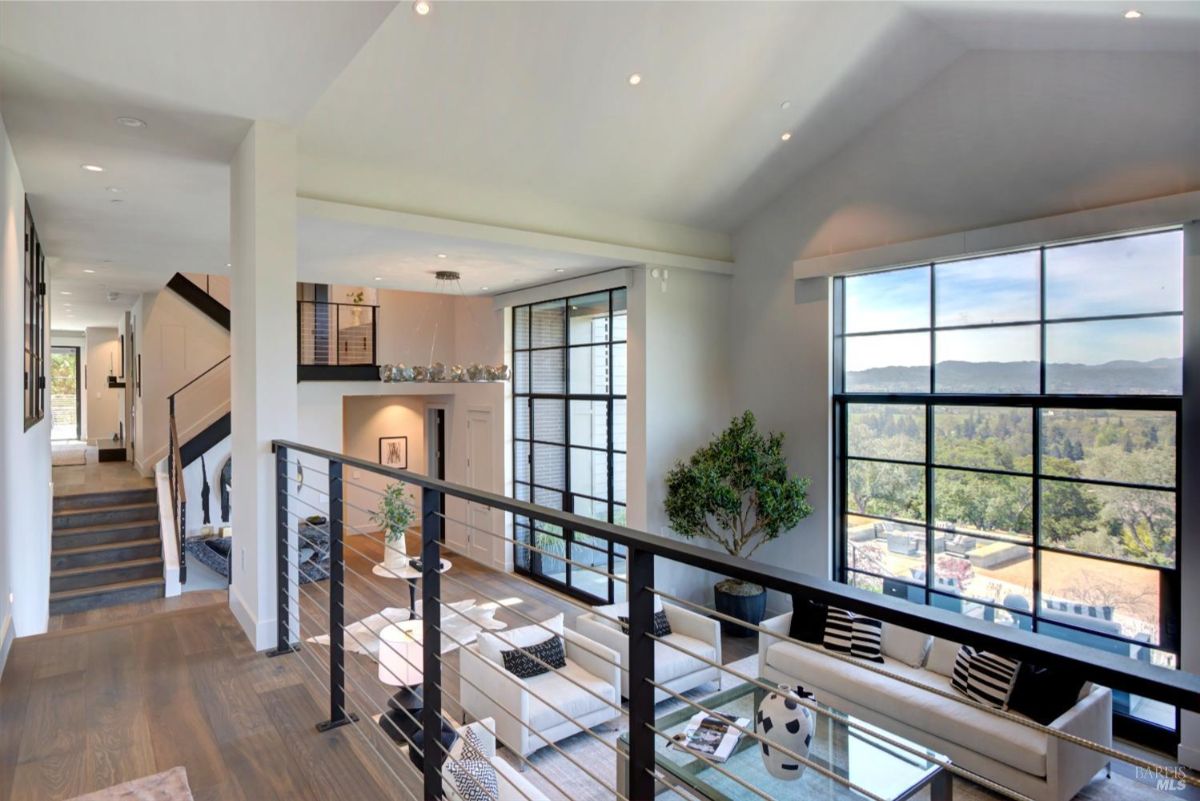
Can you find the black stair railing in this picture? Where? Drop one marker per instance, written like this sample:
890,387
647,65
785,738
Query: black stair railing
177,456
298,495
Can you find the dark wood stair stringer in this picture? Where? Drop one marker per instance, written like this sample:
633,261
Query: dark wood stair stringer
204,302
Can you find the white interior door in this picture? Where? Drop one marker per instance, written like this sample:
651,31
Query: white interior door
480,476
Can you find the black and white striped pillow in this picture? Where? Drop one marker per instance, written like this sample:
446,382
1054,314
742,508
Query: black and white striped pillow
984,677
659,627
854,635
536,659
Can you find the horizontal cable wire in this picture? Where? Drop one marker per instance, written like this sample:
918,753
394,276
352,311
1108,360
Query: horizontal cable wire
411,745
457,700
541,662
1120,756
837,716
533,622
721,770
549,744
529,547
785,751
325,686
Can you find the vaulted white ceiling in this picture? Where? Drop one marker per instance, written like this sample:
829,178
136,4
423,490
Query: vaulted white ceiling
515,114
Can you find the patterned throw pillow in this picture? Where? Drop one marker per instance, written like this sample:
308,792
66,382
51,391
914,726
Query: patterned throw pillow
984,677
854,635
536,659
659,627
472,776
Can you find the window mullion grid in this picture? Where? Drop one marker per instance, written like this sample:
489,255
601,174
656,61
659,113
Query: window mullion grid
930,556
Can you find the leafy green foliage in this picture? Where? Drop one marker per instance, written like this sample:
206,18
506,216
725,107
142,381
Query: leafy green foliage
736,491
395,513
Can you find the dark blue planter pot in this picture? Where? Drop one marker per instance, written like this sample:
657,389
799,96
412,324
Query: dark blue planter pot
750,608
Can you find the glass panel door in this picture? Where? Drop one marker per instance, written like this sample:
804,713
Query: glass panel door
64,393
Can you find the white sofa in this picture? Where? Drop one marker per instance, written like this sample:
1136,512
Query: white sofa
696,634
1038,765
524,721
511,784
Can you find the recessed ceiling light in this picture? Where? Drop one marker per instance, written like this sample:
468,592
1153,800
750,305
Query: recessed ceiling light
1133,13
114,189
131,122
377,278
785,105
64,292
442,256
559,270
88,270
422,7
228,265
786,135
635,79
484,288
92,167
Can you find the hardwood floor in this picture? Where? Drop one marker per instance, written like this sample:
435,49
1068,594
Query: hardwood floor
114,694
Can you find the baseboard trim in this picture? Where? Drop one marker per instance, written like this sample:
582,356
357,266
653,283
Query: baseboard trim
261,633
7,636
1189,757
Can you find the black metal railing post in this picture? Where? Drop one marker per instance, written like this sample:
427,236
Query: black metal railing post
431,714
283,595
337,609
641,673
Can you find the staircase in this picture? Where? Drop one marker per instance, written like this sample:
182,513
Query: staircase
105,550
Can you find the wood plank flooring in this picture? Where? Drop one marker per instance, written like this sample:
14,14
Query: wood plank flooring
114,694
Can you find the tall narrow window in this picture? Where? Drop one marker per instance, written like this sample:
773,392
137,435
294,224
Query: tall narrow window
1007,429
35,325
569,396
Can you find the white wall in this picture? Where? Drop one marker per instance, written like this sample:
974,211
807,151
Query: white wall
364,420
413,325
102,355
177,343
25,479
688,394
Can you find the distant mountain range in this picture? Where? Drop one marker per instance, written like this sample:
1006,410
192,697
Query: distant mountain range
1120,377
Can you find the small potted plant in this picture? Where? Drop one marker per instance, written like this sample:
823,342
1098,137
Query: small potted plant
394,515
736,492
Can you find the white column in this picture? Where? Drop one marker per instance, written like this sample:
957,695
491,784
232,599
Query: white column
1189,532
263,343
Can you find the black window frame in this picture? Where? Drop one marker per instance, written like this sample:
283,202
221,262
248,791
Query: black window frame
526,562
34,328
1169,638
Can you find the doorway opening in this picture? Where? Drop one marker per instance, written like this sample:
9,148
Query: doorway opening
65,399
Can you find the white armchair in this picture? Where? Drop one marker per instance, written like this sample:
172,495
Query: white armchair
679,670
531,713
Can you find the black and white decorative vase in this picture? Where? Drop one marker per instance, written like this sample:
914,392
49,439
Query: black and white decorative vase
785,723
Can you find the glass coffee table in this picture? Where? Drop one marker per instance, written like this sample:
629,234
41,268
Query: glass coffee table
844,745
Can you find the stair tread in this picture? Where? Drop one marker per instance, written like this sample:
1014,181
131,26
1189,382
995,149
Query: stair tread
114,526
117,507
103,546
100,589
101,567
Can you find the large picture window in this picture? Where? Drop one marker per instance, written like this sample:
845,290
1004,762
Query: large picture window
35,325
569,396
1007,436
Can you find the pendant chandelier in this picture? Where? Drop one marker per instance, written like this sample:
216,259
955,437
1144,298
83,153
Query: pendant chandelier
437,372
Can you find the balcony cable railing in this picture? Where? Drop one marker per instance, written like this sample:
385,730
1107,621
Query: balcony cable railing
333,334
323,609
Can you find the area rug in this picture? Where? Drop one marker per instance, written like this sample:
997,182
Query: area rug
560,780
68,455
171,785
